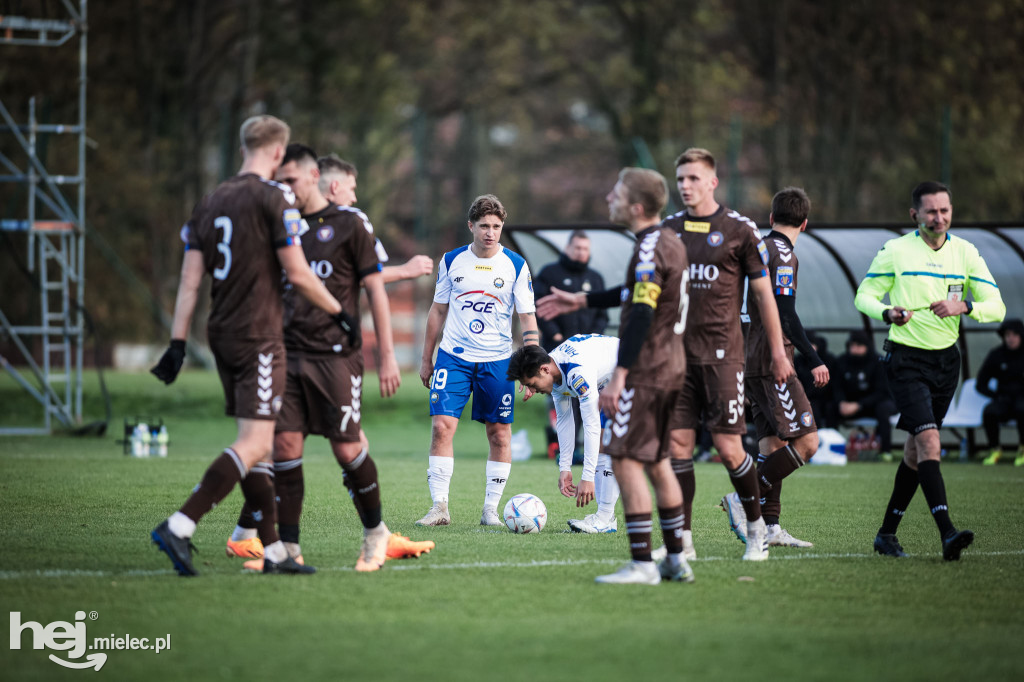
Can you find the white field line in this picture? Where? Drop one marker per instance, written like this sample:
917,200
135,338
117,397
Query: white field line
417,566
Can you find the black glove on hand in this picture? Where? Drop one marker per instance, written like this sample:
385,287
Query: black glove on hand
349,325
170,364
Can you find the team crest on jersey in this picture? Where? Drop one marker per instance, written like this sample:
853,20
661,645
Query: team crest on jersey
434,397
498,282
691,226
715,239
644,272
325,233
763,250
579,384
293,221
806,419
784,276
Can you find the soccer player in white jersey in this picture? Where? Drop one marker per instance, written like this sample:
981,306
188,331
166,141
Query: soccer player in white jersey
478,286
578,368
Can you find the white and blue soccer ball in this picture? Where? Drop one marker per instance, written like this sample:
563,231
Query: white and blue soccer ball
525,513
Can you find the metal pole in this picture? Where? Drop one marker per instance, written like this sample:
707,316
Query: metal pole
79,235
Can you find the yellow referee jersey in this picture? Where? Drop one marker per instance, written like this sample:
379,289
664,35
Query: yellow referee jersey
914,275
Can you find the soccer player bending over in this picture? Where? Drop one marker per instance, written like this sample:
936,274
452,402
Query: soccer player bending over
579,367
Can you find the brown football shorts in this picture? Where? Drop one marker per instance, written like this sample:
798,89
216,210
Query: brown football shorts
323,395
252,372
639,429
779,410
714,393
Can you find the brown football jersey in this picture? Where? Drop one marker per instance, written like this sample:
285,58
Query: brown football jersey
340,249
723,249
782,269
657,276
238,227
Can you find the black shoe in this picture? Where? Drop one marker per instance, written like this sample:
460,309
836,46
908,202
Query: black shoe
956,542
178,549
887,544
288,566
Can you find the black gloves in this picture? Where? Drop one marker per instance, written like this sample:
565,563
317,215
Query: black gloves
170,364
349,325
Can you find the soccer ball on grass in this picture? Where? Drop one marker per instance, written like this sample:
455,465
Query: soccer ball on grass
525,513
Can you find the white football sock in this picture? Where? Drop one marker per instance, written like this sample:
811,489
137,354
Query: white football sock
439,477
607,488
687,539
181,525
293,549
275,552
497,476
240,534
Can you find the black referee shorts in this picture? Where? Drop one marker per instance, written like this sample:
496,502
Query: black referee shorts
922,383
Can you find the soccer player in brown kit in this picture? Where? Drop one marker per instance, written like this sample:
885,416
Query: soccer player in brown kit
786,432
323,393
243,234
640,396
723,248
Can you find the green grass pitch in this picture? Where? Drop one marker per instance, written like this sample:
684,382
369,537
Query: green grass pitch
486,604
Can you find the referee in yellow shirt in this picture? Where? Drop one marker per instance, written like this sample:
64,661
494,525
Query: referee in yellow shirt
927,274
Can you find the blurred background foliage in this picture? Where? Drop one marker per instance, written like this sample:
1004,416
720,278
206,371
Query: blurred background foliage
538,102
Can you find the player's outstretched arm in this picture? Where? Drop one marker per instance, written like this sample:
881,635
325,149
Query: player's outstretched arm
782,368
417,266
560,302
435,323
388,373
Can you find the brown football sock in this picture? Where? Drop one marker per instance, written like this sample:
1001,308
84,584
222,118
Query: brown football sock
639,526
672,528
361,480
744,481
220,477
258,488
683,469
290,487
777,466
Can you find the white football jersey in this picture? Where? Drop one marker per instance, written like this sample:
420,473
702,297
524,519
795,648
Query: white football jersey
481,294
586,362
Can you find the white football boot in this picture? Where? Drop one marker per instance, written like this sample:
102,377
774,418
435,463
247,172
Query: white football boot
780,537
437,516
732,506
757,541
592,524
490,517
676,569
635,573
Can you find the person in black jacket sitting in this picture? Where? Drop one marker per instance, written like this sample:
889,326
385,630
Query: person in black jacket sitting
570,273
862,390
1005,364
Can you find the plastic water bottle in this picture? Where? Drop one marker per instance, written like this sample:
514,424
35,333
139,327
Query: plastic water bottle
162,439
140,440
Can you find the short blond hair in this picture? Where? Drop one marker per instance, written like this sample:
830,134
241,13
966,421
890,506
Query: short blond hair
696,155
647,188
262,131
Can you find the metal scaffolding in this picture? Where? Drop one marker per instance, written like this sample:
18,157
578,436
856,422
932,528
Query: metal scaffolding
55,226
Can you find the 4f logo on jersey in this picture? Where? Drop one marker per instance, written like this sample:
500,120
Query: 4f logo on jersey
478,305
784,276
458,279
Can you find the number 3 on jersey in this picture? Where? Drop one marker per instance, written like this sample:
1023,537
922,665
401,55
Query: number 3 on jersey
223,222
